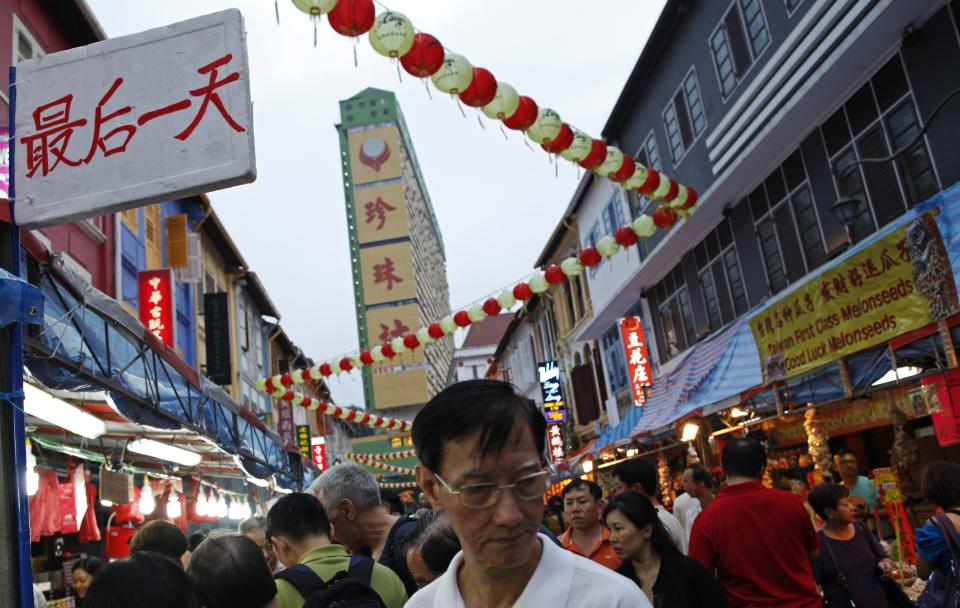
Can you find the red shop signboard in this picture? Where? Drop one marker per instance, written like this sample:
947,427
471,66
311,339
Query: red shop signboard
157,305
638,361
318,449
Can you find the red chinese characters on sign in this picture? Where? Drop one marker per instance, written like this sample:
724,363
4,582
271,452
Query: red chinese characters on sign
638,361
155,290
47,147
399,330
377,210
385,273
555,443
318,451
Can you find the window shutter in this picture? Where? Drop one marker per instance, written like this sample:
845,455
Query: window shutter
598,369
585,395
881,178
738,41
787,231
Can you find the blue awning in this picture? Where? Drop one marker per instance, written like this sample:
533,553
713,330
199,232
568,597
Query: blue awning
19,301
722,366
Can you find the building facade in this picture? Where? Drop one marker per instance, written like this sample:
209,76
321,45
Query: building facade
399,267
472,360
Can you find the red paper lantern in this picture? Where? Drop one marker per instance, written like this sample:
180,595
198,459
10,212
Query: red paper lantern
286,380
482,89
626,170
522,292
691,198
651,183
525,115
345,364
410,341
664,217
435,331
598,154
366,357
352,17
289,395
462,319
625,236
554,275
561,142
387,351
590,257
325,369
269,385
491,307
424,58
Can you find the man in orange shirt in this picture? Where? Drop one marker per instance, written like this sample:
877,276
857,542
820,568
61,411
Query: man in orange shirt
586,536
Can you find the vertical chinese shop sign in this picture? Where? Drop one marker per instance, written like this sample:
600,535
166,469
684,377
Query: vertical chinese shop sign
554,407
899,283
303,440
157,306
638,362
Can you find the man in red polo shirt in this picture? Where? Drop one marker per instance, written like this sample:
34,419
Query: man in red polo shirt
586,536
758,541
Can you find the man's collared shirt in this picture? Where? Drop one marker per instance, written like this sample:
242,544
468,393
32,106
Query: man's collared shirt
326,561
561,580
602,552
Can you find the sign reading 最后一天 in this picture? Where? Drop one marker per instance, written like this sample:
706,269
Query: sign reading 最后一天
133,120
638,362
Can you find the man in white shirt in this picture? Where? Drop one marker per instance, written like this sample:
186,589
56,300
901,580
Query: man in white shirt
641,476
481,448
686,508
698,483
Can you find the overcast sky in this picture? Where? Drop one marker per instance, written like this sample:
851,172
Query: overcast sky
496,200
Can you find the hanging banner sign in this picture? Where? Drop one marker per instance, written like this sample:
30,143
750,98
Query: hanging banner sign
900,283
286,427
216,322
555,443
318,451
303,440
638,363
133,120
554,407
157,306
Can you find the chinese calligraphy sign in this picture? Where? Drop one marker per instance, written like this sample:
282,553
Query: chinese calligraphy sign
157,306
555,442
388,275
381,213
133,120
899,283
554,408
638,361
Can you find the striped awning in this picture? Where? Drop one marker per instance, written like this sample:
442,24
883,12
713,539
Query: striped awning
720,367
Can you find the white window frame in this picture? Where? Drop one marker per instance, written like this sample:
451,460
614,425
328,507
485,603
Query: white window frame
663,116
754,58
790,12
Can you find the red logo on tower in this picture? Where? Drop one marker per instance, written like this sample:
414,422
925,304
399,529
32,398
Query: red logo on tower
157,306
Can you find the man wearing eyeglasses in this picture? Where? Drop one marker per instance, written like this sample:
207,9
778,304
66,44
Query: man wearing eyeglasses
481,448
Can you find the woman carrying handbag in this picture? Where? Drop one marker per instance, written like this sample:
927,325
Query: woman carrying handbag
852,568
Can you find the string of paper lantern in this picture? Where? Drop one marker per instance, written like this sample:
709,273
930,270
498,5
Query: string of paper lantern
421,55
344,413
376,464
606,247
398,485
392,455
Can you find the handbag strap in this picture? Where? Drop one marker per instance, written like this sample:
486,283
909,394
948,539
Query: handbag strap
836,566
950,535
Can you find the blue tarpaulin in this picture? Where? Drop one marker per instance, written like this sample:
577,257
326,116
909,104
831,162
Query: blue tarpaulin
19,300
728,363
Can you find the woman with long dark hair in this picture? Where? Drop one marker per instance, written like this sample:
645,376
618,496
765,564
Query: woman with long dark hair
653,561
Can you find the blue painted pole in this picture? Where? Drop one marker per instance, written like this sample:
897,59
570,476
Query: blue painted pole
21,505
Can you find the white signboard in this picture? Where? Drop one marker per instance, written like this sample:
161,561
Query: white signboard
131,121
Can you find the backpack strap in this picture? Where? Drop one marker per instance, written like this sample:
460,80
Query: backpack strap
950,536
361,568
303,579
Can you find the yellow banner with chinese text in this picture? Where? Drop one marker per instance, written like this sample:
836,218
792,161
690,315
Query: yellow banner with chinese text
899,283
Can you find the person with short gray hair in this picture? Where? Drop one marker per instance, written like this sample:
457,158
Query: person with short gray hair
351,497
254,529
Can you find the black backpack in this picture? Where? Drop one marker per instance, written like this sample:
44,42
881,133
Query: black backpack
350,589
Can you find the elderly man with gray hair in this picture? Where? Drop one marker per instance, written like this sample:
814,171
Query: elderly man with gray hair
351,497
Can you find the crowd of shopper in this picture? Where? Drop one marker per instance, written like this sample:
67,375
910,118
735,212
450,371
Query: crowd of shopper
482,542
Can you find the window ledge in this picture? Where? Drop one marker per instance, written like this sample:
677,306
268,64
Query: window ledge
92,231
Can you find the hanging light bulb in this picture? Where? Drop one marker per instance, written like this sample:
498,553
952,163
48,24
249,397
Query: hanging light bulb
201,507
106,503
173,505
232,509
247,512
147,503
222,509
33,478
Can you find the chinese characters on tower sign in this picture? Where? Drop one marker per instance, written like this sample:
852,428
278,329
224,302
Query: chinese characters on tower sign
638,362
157,307
134,120
554,408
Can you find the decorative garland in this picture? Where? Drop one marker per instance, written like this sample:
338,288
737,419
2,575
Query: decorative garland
346,413
606,247
391,455
376,464
392,35
398,485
